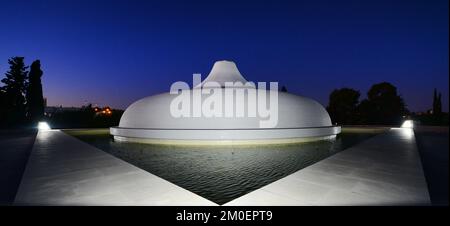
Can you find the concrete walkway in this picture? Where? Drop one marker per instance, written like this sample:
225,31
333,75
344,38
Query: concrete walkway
61,170
15,147
384,170
434,150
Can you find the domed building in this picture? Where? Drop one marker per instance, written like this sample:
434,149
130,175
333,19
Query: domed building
292,118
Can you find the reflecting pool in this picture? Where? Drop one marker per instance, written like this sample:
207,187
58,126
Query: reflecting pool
223,173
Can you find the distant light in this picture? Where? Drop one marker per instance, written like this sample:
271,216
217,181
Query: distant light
42,126
408,124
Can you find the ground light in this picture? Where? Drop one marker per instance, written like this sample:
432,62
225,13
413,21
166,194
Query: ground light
42,126
408,124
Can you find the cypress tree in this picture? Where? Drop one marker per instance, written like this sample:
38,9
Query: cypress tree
35,99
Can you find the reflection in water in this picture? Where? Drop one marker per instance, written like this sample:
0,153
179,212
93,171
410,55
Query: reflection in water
222,173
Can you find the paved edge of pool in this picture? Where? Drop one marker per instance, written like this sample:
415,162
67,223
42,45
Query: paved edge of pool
382,170
62,170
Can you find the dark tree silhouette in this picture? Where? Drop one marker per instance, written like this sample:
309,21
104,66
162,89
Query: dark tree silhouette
342,105
383,105
14,91
283,89
85,117
2,107
35,99
437,103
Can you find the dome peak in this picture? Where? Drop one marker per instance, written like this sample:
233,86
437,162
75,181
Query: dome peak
224,71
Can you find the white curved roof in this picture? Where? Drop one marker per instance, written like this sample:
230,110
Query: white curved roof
294,111
153,112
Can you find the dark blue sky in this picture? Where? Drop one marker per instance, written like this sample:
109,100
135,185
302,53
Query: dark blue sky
115,52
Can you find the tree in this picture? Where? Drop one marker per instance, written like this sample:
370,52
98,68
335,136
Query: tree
35,99
14,91
437,103
283,89
342,105
2,107
383,105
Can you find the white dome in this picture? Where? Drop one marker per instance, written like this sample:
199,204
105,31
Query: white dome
149,119
153,112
